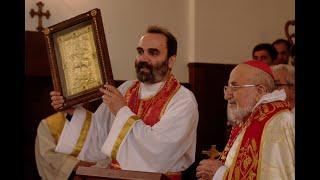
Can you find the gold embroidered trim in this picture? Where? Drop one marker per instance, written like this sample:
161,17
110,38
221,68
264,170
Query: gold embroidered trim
228,175
55,124
83,135
126,127
262,140
169,99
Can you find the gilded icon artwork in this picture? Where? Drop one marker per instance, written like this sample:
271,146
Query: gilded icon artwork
79,60
78,57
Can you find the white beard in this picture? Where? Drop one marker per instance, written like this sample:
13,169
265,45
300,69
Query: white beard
237,115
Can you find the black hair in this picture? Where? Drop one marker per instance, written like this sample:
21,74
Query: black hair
267,47
283,41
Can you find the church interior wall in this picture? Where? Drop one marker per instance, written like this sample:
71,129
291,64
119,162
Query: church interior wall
209,31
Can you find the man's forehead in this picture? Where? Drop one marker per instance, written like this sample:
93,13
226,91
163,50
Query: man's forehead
281,45
240,73
262,52
235,79
153,40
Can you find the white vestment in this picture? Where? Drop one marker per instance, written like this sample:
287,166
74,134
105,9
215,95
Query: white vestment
51,165
277,149
167,146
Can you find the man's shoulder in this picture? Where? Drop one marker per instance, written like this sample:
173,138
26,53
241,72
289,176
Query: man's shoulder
184,94
283,118
185,90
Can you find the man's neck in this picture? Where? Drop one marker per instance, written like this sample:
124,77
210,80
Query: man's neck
150,89
147,90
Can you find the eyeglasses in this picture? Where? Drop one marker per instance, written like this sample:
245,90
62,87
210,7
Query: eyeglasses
233,88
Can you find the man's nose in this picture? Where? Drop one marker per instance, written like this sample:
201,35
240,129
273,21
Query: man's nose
142,58
228,95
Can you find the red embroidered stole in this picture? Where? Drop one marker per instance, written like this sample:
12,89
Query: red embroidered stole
245,165
151,109
233,135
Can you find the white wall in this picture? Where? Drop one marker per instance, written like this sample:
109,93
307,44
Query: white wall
228,30
214,31
124,23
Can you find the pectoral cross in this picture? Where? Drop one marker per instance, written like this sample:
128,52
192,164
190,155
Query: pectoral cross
213,153
40,14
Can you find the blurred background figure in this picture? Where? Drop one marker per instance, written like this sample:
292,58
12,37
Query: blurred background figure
283,47
293,55
264,52
285,79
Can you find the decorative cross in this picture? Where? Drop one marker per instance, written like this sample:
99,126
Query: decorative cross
290,35
40,14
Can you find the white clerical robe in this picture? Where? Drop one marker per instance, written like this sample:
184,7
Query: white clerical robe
277,149
167,146
51,165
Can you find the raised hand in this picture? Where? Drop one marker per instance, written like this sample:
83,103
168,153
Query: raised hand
113,98
57,102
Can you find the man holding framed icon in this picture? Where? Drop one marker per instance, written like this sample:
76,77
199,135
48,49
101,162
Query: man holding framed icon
148,124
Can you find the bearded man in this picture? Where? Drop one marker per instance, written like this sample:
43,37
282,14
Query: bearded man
261,143
147,124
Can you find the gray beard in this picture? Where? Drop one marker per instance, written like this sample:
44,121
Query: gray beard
238,114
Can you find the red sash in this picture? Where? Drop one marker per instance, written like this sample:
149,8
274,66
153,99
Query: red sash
246,161
151,109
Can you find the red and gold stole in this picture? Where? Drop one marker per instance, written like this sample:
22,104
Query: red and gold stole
233,136
151,109
245,165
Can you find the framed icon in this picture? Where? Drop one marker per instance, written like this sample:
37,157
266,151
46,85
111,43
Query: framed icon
78,57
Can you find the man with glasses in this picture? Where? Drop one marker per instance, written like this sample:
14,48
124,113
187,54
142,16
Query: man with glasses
285,79
261,144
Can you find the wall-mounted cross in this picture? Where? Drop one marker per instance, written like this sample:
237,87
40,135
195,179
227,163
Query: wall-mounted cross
40,14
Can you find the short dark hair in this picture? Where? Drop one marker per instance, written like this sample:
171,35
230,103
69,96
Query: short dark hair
267,47
171,40
283,41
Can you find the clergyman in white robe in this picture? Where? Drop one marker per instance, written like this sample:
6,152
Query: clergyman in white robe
167,146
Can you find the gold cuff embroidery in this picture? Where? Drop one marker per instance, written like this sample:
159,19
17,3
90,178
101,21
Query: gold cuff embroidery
55,124
122,134
83,135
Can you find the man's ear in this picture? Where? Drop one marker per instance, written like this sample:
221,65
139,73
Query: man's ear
172,60
262,90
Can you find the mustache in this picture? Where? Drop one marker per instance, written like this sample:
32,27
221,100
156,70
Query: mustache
143,64
232,101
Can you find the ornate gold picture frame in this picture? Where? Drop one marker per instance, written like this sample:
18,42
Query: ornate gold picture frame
78,57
